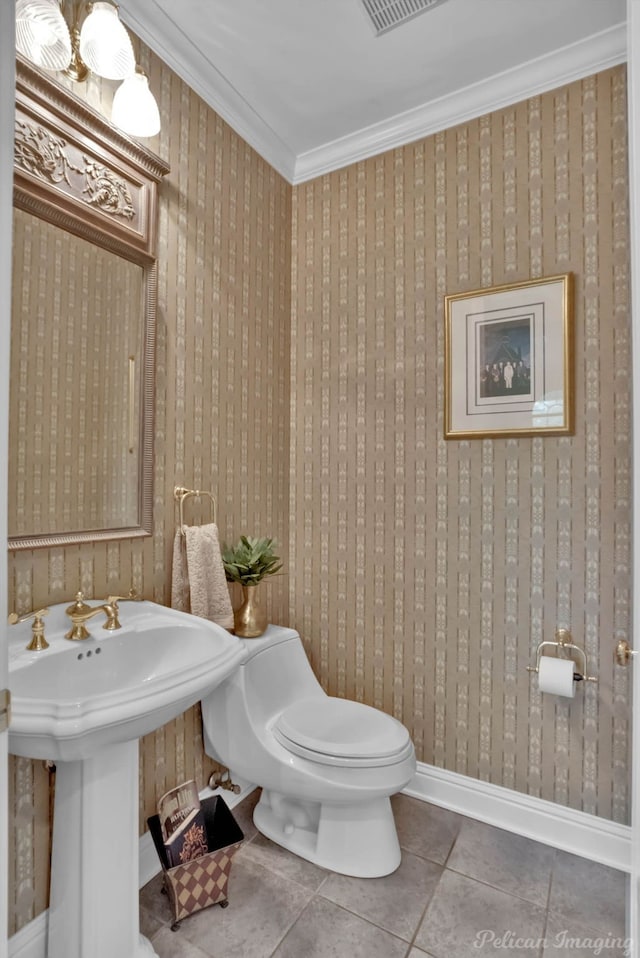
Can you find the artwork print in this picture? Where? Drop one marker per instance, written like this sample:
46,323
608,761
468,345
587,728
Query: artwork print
508,360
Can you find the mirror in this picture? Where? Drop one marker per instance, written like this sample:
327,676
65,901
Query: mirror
83,323
74,392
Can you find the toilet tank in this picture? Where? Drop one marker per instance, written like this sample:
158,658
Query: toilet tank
276,672
235,715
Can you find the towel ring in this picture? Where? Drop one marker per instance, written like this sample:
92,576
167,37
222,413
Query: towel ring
181,494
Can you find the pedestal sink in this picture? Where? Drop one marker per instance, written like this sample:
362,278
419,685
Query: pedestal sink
85,705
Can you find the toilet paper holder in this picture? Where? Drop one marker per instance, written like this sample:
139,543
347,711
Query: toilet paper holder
564,643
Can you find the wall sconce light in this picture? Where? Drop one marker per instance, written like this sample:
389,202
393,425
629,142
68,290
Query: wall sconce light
134,109
100,44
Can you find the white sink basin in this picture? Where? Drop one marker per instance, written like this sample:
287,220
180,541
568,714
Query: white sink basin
76,697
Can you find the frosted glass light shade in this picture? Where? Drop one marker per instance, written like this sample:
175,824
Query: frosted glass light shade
105,45
42,35
135,110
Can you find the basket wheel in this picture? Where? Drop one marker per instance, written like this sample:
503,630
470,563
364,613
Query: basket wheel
225,903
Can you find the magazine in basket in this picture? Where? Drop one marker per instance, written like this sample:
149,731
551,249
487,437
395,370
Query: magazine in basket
182,823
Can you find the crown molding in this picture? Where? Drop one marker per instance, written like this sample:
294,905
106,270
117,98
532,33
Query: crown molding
152,25
573,62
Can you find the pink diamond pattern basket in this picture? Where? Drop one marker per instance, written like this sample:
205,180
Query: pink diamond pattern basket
203,881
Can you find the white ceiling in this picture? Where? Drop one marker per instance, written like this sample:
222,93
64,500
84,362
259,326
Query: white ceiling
309,85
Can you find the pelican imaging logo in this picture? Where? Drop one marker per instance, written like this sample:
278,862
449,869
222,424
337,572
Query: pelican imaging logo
562,941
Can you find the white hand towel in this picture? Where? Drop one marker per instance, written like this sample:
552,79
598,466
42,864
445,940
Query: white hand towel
209,592
179,575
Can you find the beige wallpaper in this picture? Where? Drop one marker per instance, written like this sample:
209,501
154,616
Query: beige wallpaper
422,573
222,422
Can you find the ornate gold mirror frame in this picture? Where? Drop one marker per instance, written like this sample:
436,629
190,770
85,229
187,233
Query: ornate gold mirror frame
76,172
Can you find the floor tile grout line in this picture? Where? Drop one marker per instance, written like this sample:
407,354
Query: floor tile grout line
348,912
488,884
445,864
423,915
355,914
292,926
547,911
286,877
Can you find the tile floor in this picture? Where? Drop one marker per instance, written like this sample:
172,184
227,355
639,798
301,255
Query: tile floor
463,889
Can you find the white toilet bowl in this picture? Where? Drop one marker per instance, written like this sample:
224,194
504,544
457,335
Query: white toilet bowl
327,766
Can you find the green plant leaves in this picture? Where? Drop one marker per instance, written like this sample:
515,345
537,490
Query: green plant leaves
250,560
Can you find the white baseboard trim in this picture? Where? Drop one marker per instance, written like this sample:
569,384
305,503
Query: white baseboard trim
572,831
31,941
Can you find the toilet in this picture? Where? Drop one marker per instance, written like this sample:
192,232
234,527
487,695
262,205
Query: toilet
327,766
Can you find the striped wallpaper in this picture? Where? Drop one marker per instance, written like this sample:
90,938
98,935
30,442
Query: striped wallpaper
424,572
300,376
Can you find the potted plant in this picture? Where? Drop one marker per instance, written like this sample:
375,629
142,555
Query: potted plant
247,563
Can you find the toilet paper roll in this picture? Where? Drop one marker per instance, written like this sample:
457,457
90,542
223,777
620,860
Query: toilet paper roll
556,676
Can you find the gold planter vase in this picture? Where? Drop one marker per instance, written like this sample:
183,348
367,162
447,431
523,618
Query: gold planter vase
250,619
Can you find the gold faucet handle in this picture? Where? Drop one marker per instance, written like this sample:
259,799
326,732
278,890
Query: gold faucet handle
113,622
132,596
38,642
14,618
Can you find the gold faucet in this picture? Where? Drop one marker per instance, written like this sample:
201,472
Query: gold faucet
79,613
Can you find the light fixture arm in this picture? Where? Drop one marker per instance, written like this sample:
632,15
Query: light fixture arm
77,69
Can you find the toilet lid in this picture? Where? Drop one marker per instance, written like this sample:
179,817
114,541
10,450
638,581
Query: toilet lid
340,731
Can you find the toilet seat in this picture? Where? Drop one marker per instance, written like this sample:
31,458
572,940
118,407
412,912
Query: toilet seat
334,731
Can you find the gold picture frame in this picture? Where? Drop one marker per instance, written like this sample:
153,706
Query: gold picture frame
509,366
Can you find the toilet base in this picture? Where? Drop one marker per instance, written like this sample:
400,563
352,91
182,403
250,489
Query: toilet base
358,839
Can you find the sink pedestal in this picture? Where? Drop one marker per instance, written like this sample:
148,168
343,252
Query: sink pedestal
93,909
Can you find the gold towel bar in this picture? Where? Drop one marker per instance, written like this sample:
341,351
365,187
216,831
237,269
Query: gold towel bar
181,494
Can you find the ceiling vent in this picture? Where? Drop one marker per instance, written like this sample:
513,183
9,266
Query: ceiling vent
387,14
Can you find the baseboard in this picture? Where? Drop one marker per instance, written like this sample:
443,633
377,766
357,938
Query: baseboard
572,831
31,941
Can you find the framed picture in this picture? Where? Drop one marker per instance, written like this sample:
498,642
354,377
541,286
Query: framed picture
509,360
